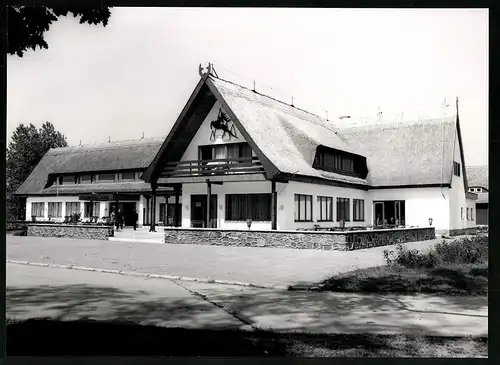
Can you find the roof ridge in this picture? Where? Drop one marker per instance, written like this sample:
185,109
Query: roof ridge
396,124
110,144
267,96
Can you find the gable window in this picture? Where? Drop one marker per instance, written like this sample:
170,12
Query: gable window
240,207
90,209
107,177
128,175
303,208
85,179
67,179
456,168
325,208
55,210
72,208
37,210
223,151
358,207
343,212
479,190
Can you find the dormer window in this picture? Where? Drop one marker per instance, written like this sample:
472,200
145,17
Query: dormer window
331,160
128,176
67,179
85,179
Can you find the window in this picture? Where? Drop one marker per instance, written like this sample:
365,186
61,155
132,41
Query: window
332,161
347,164
467,213
456,168
222,151
90,209
325,208
72,208
479,190
67,179
303,208
37,209
343,209
128,175
107,177
462,212
240,207
471,214
358,206
86,179
55,210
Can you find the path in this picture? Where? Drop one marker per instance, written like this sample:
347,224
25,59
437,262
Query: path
260,266
70,294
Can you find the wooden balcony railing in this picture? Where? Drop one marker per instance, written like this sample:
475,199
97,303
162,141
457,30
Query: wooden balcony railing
225,166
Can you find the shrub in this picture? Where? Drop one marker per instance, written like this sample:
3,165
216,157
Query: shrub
467,250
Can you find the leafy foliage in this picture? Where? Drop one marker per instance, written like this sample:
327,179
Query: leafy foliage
466,250
28,24
26,149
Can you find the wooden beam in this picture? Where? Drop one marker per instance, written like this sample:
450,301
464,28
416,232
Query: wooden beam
177,210
209,194
274,202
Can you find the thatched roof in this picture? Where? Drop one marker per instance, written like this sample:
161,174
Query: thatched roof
112,156
407,153
286,135
477,176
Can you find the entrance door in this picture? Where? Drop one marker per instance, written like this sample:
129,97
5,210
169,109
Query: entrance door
127,209
199,211
378,216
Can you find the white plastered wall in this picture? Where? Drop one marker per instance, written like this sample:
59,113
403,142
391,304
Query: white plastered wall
420,204
286,204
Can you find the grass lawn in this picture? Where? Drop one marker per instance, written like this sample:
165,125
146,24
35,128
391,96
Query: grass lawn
457,267
91,338
451,279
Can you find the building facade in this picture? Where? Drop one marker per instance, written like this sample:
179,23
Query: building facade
265,165
477,177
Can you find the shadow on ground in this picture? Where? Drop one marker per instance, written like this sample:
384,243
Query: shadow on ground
55,338
446,280
218,307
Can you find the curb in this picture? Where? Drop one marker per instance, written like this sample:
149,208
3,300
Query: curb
153,276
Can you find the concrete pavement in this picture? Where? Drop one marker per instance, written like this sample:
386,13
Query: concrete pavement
70,294
261,266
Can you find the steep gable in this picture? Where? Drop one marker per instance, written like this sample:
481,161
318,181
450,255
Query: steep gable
283,137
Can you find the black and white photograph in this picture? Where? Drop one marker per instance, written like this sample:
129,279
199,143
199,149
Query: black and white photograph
247,182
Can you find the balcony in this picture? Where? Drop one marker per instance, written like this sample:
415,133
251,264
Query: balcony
215,167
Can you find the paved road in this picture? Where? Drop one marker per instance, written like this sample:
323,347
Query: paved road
261,266
71,294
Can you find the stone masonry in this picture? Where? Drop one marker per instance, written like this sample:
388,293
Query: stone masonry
340,241
71,231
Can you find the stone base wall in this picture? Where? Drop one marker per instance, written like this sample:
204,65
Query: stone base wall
71,231
341,241
467,231
16,225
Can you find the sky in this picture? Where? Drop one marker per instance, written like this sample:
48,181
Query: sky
135,75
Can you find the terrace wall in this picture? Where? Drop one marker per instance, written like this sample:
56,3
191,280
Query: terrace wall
89,232
340,241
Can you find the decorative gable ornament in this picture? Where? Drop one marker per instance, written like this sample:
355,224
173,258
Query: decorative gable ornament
222,123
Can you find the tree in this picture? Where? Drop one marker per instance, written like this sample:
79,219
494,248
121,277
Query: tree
26,25
25,150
